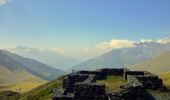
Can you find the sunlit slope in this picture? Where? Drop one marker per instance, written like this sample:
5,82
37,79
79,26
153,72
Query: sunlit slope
9,76
21,87
42,92
166,78
157,65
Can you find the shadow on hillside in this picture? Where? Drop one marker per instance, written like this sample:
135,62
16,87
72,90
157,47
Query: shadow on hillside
9,95
162,94
148,96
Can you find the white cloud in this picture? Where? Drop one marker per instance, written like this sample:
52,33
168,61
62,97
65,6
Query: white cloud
94,50
101,48
115,44
161,41
145,40
3,2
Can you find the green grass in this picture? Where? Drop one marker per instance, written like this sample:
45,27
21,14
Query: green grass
113,83
42,92
9,95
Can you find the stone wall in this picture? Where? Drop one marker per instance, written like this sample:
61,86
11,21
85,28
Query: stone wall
133,73
150,82
91,78
128,92
71,79
63,97
134,81
90,91
98,75
112,71
146,79
101,74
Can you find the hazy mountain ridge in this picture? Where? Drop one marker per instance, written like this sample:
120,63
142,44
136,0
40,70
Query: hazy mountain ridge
12,71
19,67
124,57
52,58
157,65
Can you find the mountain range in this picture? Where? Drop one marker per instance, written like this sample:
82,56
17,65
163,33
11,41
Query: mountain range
124,57
49,57
15,68
157,65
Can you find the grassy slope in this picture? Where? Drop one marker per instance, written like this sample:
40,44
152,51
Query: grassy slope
113,83
18,80
42,92
166,79
21,87
158,65
8,95
8,76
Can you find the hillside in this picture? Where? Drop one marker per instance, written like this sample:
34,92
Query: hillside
13,76
52,58
12,71
23,66
43,92
166,78
157,65
124,57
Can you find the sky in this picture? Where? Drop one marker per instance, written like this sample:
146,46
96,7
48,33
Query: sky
76,24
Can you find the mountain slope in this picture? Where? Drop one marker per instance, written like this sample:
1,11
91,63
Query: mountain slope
157,65
8,76
166,79
52,58
12,71
16,64
124,57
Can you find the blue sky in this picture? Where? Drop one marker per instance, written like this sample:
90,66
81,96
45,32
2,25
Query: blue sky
81,23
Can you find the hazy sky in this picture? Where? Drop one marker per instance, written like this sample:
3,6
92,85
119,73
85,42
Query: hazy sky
81,23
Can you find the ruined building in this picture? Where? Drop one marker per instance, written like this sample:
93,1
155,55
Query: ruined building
81,85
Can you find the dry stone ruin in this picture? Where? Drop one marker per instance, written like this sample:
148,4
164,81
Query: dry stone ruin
81,85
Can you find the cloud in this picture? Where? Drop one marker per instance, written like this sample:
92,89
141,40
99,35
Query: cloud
3,2
103,47
161,41
120,43
115,44
94,50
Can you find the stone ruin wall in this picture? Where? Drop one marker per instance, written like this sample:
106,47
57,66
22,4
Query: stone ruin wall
147,79
81,85
71,79
90,91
